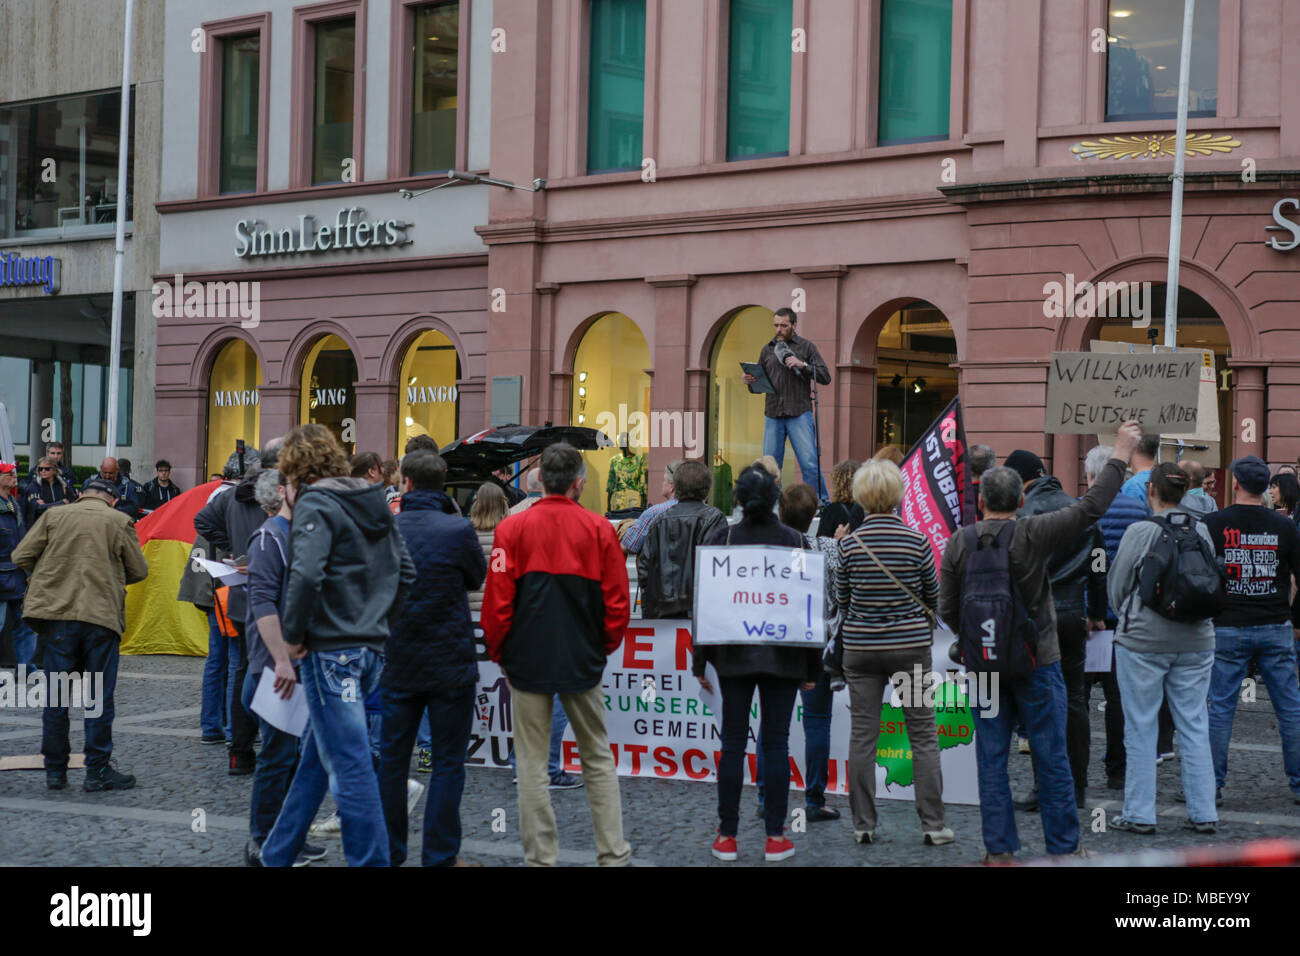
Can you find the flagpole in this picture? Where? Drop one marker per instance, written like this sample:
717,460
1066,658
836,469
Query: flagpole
119,248
1180,162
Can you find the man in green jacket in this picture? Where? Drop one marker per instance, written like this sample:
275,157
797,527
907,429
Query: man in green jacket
79,560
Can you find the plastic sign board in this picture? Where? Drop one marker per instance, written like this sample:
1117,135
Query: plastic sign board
760,594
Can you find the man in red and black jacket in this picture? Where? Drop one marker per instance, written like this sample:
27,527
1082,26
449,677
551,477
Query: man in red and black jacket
555,606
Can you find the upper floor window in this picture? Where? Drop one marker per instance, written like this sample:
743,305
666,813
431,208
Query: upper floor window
240,76
915,70
58,164
434,101
758,78
1143,49
616,91
333,100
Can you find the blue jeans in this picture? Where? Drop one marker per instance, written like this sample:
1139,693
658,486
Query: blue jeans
1273,646
375,722
816,745
337,684
1038,700
306,792
273,772
559,720
24,636
802,434
424,736
451,716
1184,681
75,646
214,714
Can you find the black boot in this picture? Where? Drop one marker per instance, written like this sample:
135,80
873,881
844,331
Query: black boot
107,778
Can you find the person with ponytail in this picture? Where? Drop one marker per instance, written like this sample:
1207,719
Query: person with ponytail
777,672
1155,658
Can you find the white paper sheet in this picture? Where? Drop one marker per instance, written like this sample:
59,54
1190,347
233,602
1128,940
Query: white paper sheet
223,572
712,699
287,715
1098,652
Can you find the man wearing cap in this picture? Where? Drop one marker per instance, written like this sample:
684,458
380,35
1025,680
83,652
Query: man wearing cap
1261,550
1077,573
79,560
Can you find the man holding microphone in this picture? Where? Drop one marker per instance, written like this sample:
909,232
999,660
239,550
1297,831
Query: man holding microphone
792,363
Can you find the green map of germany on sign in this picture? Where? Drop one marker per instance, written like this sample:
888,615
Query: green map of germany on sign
952,718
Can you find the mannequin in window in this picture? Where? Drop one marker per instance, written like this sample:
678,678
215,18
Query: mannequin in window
626,485
722,483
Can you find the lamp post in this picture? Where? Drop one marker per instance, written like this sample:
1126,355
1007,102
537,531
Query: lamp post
1180,162
119,246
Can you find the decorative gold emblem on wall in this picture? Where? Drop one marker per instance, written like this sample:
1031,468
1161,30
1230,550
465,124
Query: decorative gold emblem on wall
1153,146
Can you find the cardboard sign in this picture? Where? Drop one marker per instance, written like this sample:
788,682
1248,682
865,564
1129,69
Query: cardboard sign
759,594
1201,443
1090,392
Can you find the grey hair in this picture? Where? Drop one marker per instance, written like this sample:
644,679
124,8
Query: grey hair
533,480
982,459
1001,490
1096,459
252,462
266,490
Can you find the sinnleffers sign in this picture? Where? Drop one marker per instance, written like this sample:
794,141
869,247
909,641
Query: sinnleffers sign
351,230
1285,225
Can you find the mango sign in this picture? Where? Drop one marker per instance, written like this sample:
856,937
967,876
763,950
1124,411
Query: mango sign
759,594
1088,392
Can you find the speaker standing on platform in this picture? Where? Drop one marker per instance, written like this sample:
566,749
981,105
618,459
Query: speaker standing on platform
792,364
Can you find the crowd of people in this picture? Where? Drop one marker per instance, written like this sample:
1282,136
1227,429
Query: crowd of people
364,579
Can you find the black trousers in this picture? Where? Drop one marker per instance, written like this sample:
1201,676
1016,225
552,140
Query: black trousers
1116,759
243,723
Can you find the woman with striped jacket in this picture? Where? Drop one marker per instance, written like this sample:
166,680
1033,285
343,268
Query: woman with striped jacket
888,590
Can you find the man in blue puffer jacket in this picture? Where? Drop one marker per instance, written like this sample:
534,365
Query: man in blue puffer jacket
432,665
1123,511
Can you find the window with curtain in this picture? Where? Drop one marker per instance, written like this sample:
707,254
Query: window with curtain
434,97
332,99
915,71
758,78
1144,44
240,70
616,87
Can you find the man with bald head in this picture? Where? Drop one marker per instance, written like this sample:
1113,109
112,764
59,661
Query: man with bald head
1196,501
126,502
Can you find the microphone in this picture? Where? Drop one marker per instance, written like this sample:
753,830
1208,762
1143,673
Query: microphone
783,351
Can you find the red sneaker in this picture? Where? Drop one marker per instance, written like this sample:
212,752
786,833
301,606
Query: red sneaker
779,848
724,848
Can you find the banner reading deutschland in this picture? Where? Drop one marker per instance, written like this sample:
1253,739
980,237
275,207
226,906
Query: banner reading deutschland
659,727
938,497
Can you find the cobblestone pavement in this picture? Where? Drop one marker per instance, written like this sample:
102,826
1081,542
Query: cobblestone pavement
668,822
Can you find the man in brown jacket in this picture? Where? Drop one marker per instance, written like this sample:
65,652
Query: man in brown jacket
79,560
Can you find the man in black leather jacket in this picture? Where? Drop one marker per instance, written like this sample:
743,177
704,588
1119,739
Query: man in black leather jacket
666,562
1077,573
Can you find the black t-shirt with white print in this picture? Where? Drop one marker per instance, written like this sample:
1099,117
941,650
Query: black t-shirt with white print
1262,551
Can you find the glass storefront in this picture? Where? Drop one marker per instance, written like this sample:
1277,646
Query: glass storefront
428,401
233,405
736,419
914,380
329,395
611,392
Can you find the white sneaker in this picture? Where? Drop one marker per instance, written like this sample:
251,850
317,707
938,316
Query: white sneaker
939,837
414,791
331,826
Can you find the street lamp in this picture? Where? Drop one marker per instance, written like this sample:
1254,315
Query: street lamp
456,176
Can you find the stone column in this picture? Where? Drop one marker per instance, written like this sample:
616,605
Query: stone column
670,359
1249,419
376,428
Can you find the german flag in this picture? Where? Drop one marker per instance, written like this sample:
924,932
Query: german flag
157,623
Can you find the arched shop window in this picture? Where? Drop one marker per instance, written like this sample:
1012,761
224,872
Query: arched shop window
611,392
428,402
914,377
329,397
233,406
735,416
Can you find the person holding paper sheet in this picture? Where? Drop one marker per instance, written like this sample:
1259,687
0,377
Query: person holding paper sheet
268,550
1157,657
777,673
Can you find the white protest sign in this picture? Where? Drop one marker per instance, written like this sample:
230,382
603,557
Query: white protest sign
759,594
1090,392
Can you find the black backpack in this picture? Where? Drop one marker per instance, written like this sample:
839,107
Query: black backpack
1180,577
996,634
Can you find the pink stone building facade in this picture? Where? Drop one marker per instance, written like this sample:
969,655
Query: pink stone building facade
959,233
